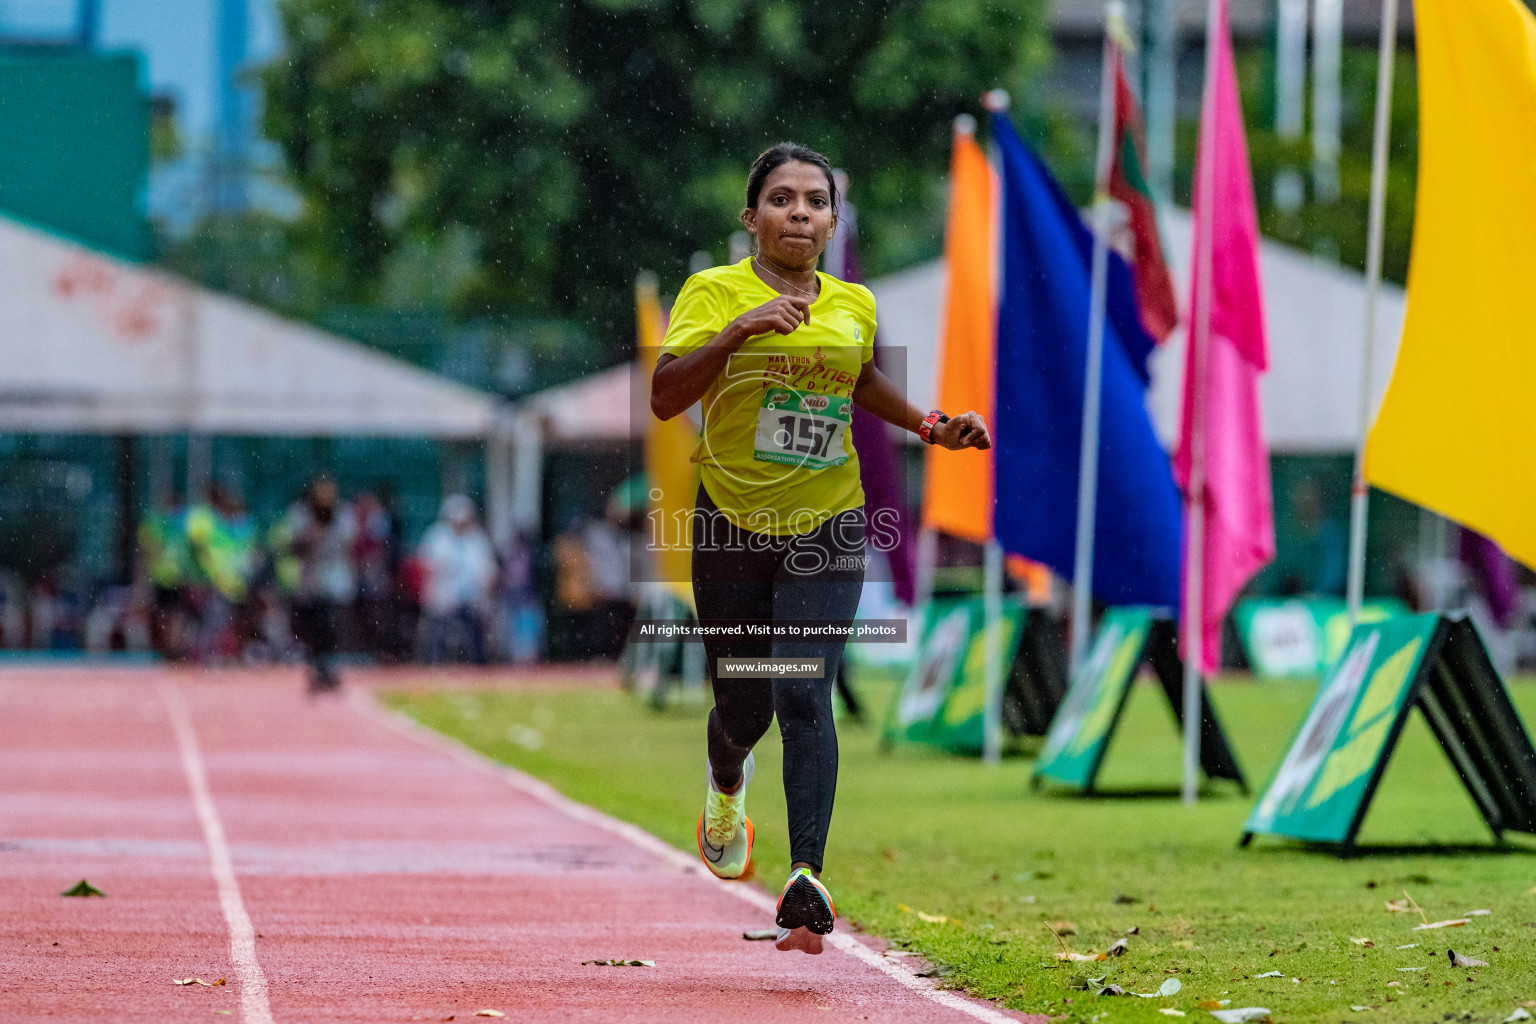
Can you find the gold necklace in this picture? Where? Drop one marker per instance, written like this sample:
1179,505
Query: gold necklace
757,262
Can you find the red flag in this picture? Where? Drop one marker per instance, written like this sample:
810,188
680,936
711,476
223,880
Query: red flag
1128,185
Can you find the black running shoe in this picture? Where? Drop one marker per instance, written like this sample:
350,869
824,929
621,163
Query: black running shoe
805,903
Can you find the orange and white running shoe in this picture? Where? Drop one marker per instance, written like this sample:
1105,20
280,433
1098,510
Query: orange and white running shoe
805,913
725,831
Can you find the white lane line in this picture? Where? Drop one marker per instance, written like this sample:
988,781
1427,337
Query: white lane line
254,1008
542,791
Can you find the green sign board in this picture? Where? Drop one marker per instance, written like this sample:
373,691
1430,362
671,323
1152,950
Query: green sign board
1075,745
1299,638
1324,786
1080,733
943,701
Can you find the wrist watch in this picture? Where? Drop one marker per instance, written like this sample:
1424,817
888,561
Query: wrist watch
933,419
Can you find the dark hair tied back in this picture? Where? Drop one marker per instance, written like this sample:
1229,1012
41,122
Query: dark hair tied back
777,156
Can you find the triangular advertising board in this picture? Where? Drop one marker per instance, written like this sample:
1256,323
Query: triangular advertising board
943,701
1298,638
1037,681
1080,733
1325,784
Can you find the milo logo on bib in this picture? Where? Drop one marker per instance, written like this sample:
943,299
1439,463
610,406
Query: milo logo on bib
802,428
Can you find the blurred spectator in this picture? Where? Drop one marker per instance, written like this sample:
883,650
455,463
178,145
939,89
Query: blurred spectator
520,614
607,542
221,543
166,563
575,598
319,534
374,554
460,568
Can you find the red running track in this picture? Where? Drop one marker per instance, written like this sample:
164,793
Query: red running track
332,865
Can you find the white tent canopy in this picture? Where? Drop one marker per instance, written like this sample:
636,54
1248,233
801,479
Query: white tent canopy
1314,309
97,345
594,408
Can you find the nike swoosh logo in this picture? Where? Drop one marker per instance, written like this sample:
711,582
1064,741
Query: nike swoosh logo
712,853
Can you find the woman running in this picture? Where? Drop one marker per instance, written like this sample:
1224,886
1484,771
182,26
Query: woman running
778,354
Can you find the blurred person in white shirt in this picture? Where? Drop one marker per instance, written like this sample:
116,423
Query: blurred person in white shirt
460,569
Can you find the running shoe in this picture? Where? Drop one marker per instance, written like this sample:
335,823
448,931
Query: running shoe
725,831
805,912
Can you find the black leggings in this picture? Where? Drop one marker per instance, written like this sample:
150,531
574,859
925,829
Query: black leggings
740,575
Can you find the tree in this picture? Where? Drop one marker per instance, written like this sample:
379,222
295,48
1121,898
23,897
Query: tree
566,145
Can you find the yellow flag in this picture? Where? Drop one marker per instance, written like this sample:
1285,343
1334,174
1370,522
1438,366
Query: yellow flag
1457,429
672,480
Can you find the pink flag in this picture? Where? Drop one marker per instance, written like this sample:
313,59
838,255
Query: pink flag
1221,414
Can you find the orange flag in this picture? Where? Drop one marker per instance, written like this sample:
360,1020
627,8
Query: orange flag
957,488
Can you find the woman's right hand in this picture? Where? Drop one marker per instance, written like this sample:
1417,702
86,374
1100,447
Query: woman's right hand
782,315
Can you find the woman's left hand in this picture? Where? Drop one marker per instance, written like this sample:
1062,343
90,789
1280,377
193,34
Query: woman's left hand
968,430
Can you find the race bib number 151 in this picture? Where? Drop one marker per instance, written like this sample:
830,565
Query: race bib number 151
802,428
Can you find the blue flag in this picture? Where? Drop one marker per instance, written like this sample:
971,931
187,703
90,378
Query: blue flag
1042,354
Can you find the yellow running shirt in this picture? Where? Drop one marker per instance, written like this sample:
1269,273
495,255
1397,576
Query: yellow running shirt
776,453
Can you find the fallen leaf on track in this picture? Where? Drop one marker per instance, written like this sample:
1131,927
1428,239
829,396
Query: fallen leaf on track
1457,960
619,963
1081,957
190,981
1362,942
1170,1011
1269,974
83,888
760,934
1398,907
1477,913
1520,1014
1117,948
489,1013
1455,922
1242,1015
1168,988
219,982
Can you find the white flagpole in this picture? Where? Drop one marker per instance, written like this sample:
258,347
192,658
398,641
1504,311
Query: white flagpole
1194,501
1359,504
1093,377
992,666
992,580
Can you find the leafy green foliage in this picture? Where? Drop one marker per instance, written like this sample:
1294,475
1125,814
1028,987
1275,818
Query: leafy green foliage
566,145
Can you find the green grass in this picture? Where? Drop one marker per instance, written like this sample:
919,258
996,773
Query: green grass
918,831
